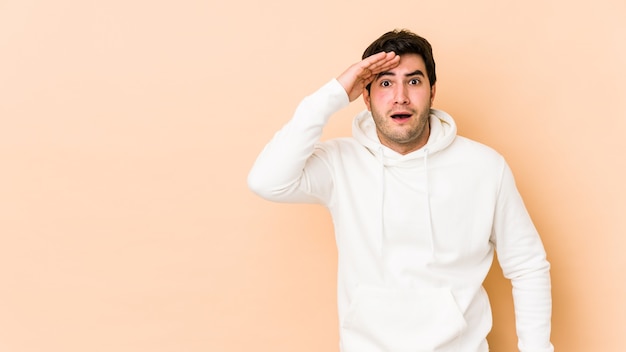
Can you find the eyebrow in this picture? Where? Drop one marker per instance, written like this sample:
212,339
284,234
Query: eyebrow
414,73
410,74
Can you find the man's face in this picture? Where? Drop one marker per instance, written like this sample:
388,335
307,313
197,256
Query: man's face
400,101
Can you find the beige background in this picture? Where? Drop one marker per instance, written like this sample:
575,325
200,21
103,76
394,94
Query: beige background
127,129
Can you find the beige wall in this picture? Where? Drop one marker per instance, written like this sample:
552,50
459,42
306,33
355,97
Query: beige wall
127,129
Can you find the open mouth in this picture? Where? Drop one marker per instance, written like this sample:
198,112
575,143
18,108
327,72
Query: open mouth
400,116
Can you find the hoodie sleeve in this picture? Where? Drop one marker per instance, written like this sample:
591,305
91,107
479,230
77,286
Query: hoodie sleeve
523,260
290,168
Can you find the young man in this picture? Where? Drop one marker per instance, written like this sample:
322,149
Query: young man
417,210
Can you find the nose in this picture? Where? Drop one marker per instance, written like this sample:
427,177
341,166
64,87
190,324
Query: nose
400,95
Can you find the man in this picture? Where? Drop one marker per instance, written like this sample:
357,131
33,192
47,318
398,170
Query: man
417,210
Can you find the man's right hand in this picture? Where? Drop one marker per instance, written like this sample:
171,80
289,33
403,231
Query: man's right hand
362,73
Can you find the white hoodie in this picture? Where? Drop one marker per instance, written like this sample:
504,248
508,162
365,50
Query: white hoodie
415,233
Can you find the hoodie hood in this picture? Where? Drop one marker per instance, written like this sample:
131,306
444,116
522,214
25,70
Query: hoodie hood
442,134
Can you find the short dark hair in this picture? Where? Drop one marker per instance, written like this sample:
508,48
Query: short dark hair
403,42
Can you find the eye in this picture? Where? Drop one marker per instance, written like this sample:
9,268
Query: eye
385,83
414,81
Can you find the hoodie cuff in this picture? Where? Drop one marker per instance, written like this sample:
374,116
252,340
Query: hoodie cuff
331,97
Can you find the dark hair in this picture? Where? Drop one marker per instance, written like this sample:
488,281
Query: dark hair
405,42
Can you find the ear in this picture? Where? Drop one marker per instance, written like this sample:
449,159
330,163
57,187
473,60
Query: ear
367,99
433,90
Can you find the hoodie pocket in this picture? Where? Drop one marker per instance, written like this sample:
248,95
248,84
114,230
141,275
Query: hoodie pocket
400,320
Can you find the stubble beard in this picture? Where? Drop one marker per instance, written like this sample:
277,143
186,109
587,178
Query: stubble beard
407,139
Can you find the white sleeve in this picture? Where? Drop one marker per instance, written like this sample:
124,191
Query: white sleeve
523,260
290,168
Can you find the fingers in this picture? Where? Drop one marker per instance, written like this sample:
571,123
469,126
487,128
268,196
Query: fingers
380,62
371,66
362,73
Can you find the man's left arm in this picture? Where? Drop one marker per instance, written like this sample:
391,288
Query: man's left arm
523,260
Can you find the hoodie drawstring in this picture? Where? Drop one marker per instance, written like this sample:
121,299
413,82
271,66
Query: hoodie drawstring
430,219
381,243
431,234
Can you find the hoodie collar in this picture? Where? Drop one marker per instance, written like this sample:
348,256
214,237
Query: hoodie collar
442,133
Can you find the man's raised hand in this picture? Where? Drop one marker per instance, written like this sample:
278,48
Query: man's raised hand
362,73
